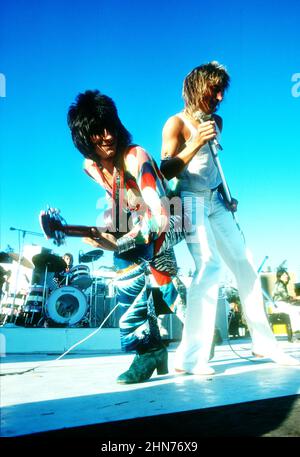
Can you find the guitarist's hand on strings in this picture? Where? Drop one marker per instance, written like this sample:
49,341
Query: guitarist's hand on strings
102,240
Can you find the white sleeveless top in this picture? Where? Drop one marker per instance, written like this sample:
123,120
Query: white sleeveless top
201,172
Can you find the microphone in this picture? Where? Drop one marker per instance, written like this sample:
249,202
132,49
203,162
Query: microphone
202,117
213,147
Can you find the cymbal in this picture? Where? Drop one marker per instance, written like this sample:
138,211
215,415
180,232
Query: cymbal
53,262
4,257
91,256
8,257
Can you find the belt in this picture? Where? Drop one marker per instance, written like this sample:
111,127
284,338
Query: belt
127,269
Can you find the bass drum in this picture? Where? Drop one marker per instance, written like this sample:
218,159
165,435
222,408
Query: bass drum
66,305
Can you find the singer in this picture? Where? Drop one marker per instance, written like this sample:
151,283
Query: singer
187,156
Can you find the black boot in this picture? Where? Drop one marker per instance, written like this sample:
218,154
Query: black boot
143,366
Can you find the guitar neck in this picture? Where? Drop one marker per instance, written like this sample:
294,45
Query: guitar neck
80,230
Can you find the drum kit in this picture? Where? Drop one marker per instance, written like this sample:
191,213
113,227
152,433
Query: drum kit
73,302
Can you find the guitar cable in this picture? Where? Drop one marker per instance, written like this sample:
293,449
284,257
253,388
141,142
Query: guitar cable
100,327
68,350
74,345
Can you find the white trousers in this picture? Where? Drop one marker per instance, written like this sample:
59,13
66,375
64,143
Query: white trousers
212,235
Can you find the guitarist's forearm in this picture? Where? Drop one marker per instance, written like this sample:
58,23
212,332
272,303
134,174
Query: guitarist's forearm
88,232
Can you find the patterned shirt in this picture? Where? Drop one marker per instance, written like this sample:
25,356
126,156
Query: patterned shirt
139,208
137,197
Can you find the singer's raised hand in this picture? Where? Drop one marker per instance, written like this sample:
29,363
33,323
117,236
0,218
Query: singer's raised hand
206,132
174,157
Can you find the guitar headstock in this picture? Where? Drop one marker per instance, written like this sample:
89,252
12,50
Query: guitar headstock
53,225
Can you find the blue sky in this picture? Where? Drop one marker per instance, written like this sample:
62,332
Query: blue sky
138,53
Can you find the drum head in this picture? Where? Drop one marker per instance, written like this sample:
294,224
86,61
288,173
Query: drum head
66,305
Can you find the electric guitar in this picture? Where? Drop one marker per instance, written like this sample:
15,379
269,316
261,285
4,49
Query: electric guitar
56,228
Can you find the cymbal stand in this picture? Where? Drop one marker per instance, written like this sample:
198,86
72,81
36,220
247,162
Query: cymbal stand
21,251
93,300
43,297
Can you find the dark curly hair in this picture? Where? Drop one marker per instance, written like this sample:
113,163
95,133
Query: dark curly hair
90,114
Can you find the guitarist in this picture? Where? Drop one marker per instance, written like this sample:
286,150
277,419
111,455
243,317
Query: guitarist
138,227
186,156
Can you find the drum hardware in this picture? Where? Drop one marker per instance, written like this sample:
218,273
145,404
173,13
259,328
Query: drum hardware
34,304
20,259
48,262
65,281
14,305
11,307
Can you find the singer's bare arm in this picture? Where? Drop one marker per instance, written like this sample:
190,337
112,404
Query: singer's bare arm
175,156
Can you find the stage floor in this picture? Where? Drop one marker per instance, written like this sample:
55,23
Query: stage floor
80,391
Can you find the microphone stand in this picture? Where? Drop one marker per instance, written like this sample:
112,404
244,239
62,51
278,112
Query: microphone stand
26,232
213,147
262,264
214,153
21,249
201,117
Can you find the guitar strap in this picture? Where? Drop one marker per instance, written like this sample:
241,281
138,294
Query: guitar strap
118,199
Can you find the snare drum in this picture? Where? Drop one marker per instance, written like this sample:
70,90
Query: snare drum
80,277
66,305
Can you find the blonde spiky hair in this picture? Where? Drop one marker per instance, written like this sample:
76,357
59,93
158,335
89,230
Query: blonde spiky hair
201,81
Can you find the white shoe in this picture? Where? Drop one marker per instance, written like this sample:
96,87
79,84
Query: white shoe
202,369
285,360
279,357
